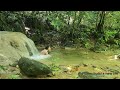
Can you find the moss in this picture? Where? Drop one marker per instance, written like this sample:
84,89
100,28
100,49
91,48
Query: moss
31,67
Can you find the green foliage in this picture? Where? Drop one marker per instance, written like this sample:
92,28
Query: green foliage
55,67
14,77
78,27
2,67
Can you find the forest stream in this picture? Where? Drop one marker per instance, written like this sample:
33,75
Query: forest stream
70,63
94,34
67,63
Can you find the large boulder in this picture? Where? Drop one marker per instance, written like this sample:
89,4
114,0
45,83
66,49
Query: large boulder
14,45
30,67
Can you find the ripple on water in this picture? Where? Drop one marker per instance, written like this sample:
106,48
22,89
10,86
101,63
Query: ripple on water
39,57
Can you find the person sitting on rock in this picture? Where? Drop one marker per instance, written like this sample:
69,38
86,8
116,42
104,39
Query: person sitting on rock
46,51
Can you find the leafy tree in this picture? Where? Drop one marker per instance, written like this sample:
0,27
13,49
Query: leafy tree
68,28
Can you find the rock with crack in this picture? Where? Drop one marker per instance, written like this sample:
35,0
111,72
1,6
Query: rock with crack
14,45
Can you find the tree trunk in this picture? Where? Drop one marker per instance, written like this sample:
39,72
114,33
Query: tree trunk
99,29
100,25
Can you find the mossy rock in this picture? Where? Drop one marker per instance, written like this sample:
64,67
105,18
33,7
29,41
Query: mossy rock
33,68
88,75
14,45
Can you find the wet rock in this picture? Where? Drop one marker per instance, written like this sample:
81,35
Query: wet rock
85,65
13,46
88,75
30,67
93,66
112,70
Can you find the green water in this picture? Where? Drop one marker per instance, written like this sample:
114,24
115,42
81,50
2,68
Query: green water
71,57
80,56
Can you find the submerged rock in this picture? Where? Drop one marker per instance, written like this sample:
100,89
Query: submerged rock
30,67
88,75
85,65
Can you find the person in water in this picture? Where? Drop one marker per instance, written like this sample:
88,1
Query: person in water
46,50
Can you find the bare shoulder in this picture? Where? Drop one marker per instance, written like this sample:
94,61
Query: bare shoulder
44,52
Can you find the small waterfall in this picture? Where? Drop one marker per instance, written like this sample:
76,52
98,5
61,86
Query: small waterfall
33,51
14,45
39,57
31,48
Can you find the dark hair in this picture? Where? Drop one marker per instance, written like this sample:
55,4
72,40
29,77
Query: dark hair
47,47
